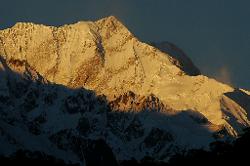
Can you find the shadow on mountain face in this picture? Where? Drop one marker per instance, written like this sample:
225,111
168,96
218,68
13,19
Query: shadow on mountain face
180,58
240,98
33,105
23,96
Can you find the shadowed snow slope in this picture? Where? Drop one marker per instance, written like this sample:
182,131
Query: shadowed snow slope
104,58
182,60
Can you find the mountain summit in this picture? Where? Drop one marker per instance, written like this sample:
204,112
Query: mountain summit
95,80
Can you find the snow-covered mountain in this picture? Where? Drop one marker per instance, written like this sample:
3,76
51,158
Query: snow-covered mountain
91,91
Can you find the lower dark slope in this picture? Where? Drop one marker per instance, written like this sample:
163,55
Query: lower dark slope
97,153
24,157
221,153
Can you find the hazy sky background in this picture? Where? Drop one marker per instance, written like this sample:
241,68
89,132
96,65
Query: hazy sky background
214,33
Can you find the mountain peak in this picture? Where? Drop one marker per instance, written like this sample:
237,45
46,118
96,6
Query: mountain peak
110,19
111,25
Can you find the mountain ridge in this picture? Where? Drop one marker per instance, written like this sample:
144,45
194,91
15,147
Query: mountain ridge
117,56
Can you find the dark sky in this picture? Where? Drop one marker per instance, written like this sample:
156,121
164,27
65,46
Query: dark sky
214,33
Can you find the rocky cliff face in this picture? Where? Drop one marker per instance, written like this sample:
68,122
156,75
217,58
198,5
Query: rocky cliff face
67,87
